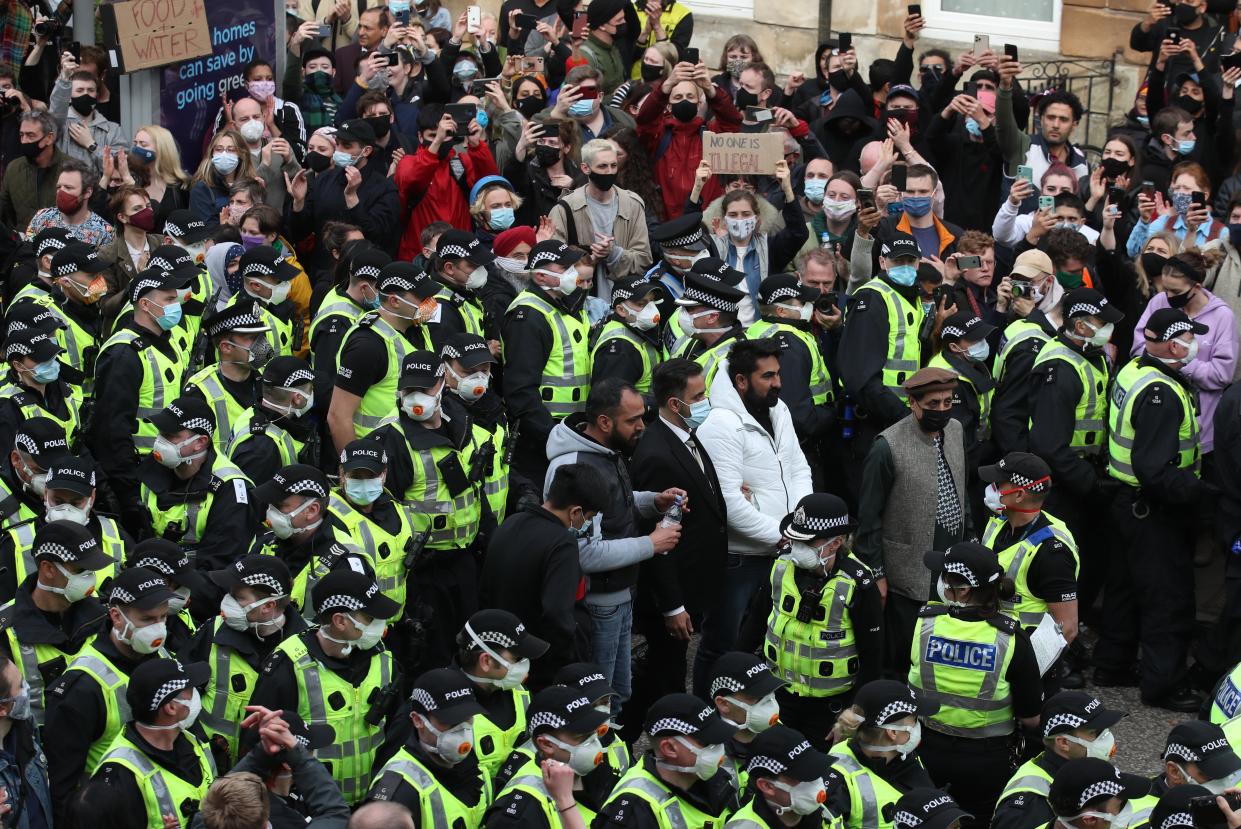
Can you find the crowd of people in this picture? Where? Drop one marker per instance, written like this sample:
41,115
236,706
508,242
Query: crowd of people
453,447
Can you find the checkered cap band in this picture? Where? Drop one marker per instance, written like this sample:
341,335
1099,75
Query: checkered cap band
17,349
895,708
454,252
726,683
787,292
50,243
260,268
120,594
1071,720
398,283
805,523
424,699
636,287
368,271
26,444
1086,308
302,741
710,300
263,580
1101,789
51,548
15,326
142,284
963,571
299,376
67,268
906,818
451,352
1177,819
1176,329
1031,484
172,686
673,724
340,600
692,237
771,764
493,637
249,320
196,423
547,718
164,263
1181,751
544,256
156,564
953,331
300,487
178,231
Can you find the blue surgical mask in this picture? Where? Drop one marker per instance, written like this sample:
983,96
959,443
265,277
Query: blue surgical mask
826,98
973,128
170,317
1144,120
363,491
895,209
501,218
343,159
815,190
580,109
1185,146
482,118
903,274
917,206
47,372
980,351
1182,202
698,411
465,70
143,153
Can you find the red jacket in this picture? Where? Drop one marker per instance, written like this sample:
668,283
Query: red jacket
426,182
674,171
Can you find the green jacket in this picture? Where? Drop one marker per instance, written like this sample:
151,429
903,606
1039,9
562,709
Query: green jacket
26,189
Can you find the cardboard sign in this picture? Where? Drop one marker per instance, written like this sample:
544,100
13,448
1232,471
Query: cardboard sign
753,153
158,32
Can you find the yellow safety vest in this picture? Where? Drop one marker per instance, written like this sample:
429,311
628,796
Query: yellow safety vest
668,21
904,355
385,550
186,522
379,405
1091,410
336,304
29,659
1016,560
161,382
452,517
820,379
1031,778
492,744
817,658
651,354
1018,332
227,694
287,333
1132,380
163,792
471,312
22,536
227,409
983,397
566,374
869,793
529,780
1227,701
350,758
244,428
495,480
28,405
439,807
670,811
74,346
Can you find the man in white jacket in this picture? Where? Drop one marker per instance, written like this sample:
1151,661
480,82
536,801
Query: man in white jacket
762,472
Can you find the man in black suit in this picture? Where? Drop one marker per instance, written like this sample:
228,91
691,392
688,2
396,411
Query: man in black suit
676,592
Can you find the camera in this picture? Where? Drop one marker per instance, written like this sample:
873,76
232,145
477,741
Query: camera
826,304
1021,288
47,28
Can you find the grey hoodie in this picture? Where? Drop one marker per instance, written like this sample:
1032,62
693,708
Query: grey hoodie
611,553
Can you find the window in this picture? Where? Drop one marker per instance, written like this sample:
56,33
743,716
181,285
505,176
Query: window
724,8
1027,24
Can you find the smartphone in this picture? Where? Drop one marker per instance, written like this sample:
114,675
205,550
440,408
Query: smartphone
75,49
474,18
982,43
1115,194
1148,189
971,89
1205,812
845,41
579,24
1198,198
865,199
391,58
1167,3
899,175
691,55
1174,35
529,65
325,30
588,93
479,86
524,21
758,115
1026,172
1010,51
1046,202
462,115
941,293
401,17
968,262
915,9
1230,61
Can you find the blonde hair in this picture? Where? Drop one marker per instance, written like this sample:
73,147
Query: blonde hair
478,209
167,156
245,163
1145,279
236,801
595,146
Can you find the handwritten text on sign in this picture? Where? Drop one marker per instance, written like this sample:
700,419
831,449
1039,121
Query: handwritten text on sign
158,32
742,152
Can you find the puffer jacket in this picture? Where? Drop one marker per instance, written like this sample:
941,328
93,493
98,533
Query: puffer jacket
772,471
611,553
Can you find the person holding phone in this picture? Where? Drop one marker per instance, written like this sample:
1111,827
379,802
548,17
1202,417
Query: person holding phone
84,131
665,21
1185,212
612,24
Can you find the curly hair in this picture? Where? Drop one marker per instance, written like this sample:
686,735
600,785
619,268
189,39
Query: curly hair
636,174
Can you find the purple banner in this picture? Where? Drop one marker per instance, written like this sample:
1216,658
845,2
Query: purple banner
192,92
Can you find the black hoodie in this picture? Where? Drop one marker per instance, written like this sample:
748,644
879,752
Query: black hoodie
828,129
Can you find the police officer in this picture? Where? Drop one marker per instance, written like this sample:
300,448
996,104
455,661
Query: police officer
279,429
743,689
193,286
369,363
787,783
460,269
156,765
495,649
40,287
39,441
436,773
1035,548
142,368
344,305
77,270
1196,752
965,351
546,352
265,280
877,757
978,664
823,615
429,459
238,335
1023,338
185,230
564,728
680,242
928,809
629,344
590,680
1173,811
69,495
340,660
1153,450
255,616
1072,724
31,387
191,494
55,610
787,312
709,320
680,782
1225,704
1093,788
1068,428
87,707
161,556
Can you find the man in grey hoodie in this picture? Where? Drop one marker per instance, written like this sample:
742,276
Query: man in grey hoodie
611,547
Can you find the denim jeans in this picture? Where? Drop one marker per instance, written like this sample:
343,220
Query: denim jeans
610,645
743,575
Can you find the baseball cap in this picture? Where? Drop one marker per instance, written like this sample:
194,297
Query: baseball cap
636,288
72,473
35,343
470,350
310,736
486,180
153,279
268,573
560,707
781,287
737,672
965,325
550,252
1169,323
156,681
294,479
818,515
926,809
1204,744
1080,784
501,630
458,244
23,315
175,259
356,131
167,558
265,262
1081,302
973,562
51,239
1033,264
77,256
138,587
69,543
241,318
189,413
587,677
420,370
401,277
43,439
1022,469
445,694
364,454
901,245
687,716
367,263
711,289
884,701
1071,710
1172,810
347,590
287,371
781,750
683,233
186,226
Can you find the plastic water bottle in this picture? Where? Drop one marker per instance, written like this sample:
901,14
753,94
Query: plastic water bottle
672,517
847,420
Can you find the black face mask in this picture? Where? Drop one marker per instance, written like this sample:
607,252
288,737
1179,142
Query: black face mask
1190,105
1184,14
621,31
1179,300
1153,264
547,156
651,73
603,181
30,149
1113,167
746,98
934,421
930,78
530,105
684,111
381,124
317,162
82,104
838,80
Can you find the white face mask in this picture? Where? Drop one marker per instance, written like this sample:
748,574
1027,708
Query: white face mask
452,744
372,632
804,798
686,321
807,557
237,617
1120,820
991,499
804,312
180,599
583,757
915,737
477,278
69,512
567,280
79,586
145,639
282,523
741,229
290,411
645,318
759,716
20,704
252,131
1100,748
195,706
169,454
941,588
470,387
37,483
700,255
1101,335
421,406
515,673
279,291
707,761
